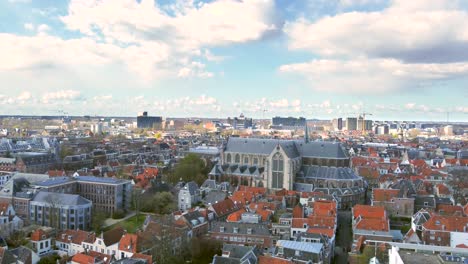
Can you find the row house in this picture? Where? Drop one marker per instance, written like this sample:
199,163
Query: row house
7,164
300,252
72,241
393,201
242,233
449,231
9,221
371,222
41,242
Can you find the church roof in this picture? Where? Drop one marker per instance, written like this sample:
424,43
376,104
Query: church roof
292,148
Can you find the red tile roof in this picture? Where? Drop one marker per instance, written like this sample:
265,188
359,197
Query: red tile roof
236,216
373,224
83,259
447,209
323,231
273,260
148,258
105,258
442,189
367,211
447,223
324,208
76,236
224,207
129,243
39,235
384,195
298,211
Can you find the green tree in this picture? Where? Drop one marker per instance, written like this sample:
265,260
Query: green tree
98,220
160,203
191,168
16,239
50,259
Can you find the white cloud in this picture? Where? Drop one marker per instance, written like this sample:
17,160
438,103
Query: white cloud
192,25
282,103
62,95
142,36
29,26
412,31
43,28
24,96
372,75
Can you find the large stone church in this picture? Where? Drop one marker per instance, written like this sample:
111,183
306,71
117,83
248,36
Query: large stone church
290,164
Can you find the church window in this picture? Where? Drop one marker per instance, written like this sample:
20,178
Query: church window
237,159
228,158
255,161
246,160
277,171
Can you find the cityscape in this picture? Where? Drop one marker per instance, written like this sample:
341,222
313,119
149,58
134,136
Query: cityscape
233,132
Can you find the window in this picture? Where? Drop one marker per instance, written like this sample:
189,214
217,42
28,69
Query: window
255,161
237,159
277,171
246,160
298,253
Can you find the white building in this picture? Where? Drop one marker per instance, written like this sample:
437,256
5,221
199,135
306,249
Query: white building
188,196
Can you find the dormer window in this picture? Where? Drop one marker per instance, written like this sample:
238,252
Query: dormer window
236,230
249,231
221,229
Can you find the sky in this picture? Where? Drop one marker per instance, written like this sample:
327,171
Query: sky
395,59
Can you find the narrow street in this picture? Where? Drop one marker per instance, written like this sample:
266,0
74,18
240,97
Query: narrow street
344,237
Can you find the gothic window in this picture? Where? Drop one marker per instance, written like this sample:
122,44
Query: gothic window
246,160
237,159
255,161
277,171
228,158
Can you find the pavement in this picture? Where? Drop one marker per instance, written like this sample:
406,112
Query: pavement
344,239
109,221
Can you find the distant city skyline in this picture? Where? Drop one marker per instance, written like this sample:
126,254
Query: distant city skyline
397,59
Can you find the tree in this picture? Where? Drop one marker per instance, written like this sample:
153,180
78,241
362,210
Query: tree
50,259
203,250
191,168
160,203
98,220
16,239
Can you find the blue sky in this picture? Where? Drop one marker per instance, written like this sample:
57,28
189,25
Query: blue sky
397,59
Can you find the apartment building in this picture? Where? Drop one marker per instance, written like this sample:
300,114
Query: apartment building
59,210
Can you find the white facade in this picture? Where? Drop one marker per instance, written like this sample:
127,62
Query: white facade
394,256
101,247
43,246
458,238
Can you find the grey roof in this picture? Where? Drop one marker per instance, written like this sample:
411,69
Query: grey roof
192,187
61,199
260,146
215,196
211,184
301,246
238,170
106,180
237,251
7,160
420,201
320,172
31,178
54,181
322,149
257,229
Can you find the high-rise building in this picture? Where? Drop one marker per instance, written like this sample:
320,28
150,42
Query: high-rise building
240,122
288,122
351,123
145,121
338,124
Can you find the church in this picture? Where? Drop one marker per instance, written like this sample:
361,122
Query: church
292,165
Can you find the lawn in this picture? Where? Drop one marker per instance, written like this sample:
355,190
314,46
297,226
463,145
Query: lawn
131,224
